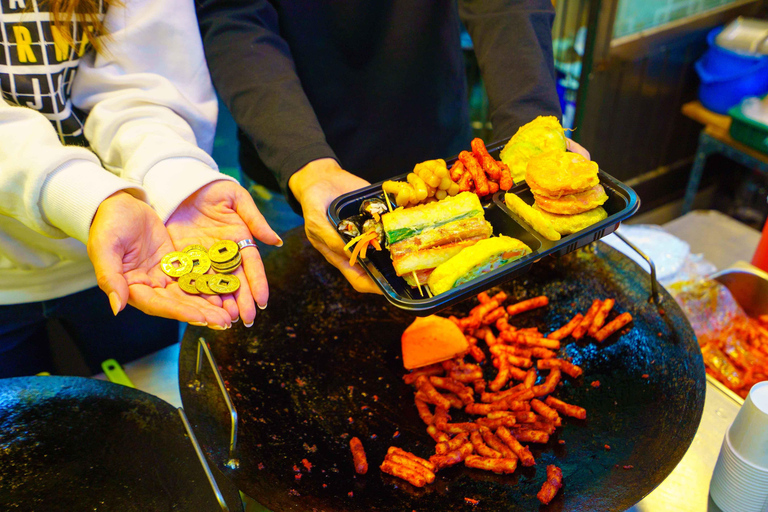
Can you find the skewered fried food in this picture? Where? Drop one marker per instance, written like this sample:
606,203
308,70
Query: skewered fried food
489,165
479,178
428,180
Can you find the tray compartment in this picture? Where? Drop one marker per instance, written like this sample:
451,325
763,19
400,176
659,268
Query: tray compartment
622,203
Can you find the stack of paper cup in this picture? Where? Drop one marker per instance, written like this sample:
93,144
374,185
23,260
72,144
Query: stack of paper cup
740,480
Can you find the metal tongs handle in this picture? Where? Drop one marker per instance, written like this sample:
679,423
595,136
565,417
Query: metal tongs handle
202,348
203,462
654,298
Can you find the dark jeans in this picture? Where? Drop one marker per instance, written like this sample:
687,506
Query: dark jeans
88,319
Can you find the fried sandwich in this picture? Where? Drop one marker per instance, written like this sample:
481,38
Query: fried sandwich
422,237
483,257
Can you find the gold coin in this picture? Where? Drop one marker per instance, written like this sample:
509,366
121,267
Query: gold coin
176,264
200,260
226,268
221,283
187,283
195,247
201,283
223,251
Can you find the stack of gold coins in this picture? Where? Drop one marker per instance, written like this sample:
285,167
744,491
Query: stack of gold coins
225,256
191,264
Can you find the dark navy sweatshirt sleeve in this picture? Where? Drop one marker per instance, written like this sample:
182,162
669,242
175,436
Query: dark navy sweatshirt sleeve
254,73
513,43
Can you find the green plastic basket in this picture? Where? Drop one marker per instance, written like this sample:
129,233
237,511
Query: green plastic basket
748,131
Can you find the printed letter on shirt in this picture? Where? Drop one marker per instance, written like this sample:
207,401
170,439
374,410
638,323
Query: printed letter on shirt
24,44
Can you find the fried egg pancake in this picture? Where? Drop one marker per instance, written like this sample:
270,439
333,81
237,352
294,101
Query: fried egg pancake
567,224
572,204
556,174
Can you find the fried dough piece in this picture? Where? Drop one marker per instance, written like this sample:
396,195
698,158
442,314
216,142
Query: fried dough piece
556,174
358,456
540,135
568,224
552,485
572,204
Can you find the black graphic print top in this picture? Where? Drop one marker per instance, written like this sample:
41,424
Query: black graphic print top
37,65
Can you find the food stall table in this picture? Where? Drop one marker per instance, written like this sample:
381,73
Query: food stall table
686,488
714,138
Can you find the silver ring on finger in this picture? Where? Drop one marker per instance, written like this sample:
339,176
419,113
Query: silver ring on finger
248,242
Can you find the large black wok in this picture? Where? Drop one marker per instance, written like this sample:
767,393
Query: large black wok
322,363
74,444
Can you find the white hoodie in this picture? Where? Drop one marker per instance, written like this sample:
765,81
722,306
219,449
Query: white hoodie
148,106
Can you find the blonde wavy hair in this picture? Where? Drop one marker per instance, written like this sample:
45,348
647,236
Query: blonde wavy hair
65,12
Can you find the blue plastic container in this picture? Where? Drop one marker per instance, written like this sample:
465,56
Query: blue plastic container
727,77
722,61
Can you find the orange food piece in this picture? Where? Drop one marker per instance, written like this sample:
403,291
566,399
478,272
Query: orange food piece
358,456
431,340
552,485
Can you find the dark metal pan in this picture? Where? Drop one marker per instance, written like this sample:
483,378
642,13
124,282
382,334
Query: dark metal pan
73,444
323,363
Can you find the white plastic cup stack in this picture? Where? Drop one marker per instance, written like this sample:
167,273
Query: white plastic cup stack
740,480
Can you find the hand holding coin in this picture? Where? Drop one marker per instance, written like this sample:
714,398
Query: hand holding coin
224,211
126,243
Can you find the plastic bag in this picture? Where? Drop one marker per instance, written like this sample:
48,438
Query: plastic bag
734,346
671,256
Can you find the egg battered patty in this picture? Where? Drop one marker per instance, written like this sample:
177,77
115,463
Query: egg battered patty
572,203
567,224
556,174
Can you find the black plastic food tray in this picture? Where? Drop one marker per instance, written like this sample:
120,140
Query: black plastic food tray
622,203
